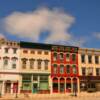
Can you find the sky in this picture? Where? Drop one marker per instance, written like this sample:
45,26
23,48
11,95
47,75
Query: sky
66,22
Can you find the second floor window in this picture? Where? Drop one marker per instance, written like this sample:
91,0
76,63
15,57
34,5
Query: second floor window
68,69
39,61
83,58
74,69
61,56
14,59
24,62
61,69
89,59
96,59
32,63
73,57
83,71
14,50
55,69
67,57
6,50
46,64
98,71
90,71
5,62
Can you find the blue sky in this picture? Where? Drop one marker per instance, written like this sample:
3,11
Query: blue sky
82,27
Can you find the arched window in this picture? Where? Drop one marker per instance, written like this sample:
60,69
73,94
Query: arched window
61,69
55,69
55,56
73,57
74,69
67,57
67,69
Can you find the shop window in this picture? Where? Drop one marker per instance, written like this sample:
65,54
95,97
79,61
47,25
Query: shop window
35,78
43,78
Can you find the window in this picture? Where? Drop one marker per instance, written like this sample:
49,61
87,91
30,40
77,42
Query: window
32,63
32,52
55,56
14,50
43,78
39,63
26,77
67,57
83,58
46,64
83,71
73,57
96,59
46,52
98,71
24,61
61,56
89,59
25,51
90,71
74,69
6,50
55,68
14,62
68,69
39,52
35,78
5,62
61,69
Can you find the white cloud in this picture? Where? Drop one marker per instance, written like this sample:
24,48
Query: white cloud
2,36
97,35
32,24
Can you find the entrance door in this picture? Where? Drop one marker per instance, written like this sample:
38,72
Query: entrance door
35,87
8,88
62,87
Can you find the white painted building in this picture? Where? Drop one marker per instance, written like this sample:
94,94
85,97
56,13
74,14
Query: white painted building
9,66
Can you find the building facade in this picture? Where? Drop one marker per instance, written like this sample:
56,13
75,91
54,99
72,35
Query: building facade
9,66
64,69
89,69
35,67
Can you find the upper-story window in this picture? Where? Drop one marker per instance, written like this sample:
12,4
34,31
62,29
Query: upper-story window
67,69
98,71
6,60
67,57
31,63
14,62
73,57
61,56
89,59
6,50
83,58
46,64
96,59
39,61
61,69
74,69
25,51
90,71
46,52
32,52
55,71
55,56
24,63
39,52
14,50
83,71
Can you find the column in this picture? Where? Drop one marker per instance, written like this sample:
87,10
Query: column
65,85
11,88
3,87
58,85
71,85
32,83
20,84
78,85
50,84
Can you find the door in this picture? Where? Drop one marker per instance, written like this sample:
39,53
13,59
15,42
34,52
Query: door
35,87
7,87
62,87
